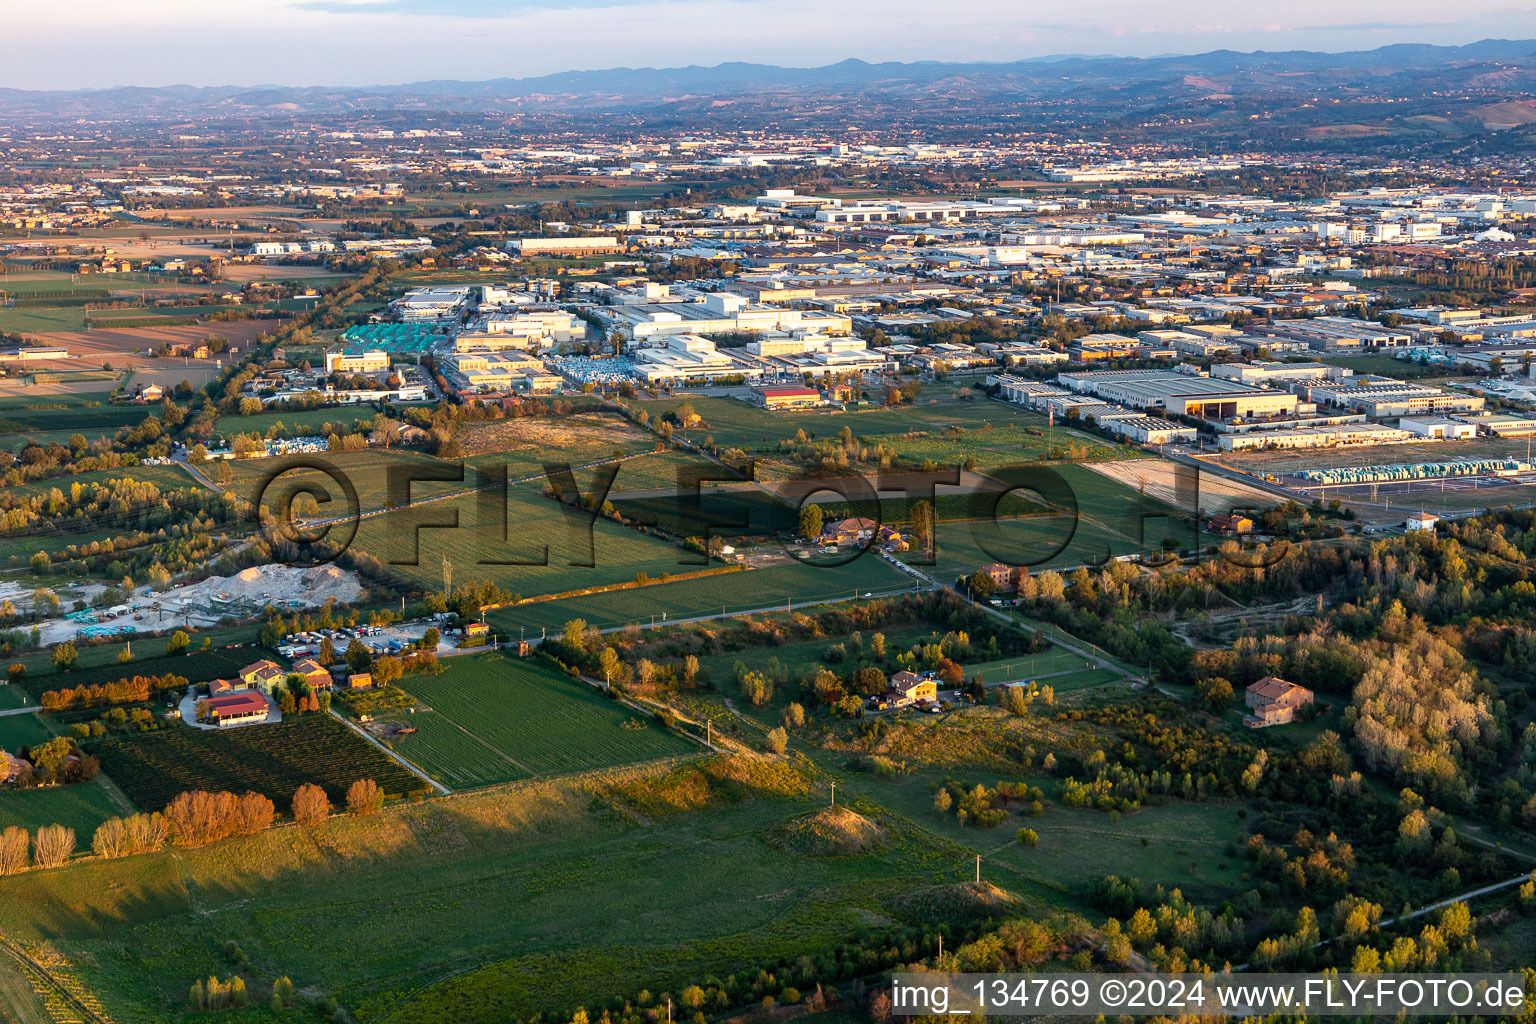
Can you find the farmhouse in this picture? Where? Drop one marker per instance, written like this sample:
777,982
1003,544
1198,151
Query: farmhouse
262,675
1231,523
13,768
1274,702
1002,576
314,673
237,709
225,687
907,688
852,530
360,680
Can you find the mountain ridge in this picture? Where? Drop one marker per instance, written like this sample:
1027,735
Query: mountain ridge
616,88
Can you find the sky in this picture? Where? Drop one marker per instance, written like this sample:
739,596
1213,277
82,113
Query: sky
68,44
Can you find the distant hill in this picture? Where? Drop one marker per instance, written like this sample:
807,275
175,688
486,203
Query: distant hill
1491,72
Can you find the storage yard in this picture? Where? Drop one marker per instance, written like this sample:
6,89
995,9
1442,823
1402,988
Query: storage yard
207,602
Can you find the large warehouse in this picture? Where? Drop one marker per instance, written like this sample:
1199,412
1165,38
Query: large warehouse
1182,394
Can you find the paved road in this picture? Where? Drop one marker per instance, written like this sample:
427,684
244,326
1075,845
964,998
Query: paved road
180,459
20,711
423,776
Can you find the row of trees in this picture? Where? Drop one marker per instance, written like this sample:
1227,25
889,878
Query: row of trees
50,847
123,691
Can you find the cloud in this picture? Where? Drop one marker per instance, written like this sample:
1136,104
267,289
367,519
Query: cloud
484,9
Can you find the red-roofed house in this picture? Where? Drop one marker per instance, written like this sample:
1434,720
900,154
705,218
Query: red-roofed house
237,709
1274,701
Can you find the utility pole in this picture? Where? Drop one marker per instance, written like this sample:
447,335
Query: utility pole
978,869
834,794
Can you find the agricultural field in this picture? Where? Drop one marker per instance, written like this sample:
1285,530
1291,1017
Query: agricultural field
1111,519
796,657
523,445
513,719
17,731
88,414
81,806
305,421
735,423
1185,843
152,768
732,593
368,471
540,547
164,477
499,887
98,661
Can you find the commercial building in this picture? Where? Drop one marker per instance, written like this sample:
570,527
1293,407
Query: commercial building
1148,429
1382,397
787,397
1336,333
431,304
371,360
529,327
1184,394
1312,437
1437,427
485,372
1279,373
578,246
718,313
683,357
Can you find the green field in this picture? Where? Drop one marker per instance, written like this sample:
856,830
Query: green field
559,552
795,657
164,477
500,892
368,471
508,719
152,768
88,414
17,731
98,661
81,806
298,422
734,423
711,595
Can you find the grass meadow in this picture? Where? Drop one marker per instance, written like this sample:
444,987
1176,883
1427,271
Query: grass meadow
498,889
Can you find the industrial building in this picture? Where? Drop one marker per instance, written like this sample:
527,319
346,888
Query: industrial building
717,313
581,246
1313,437
1184,394
431,304
371,360
1382,397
